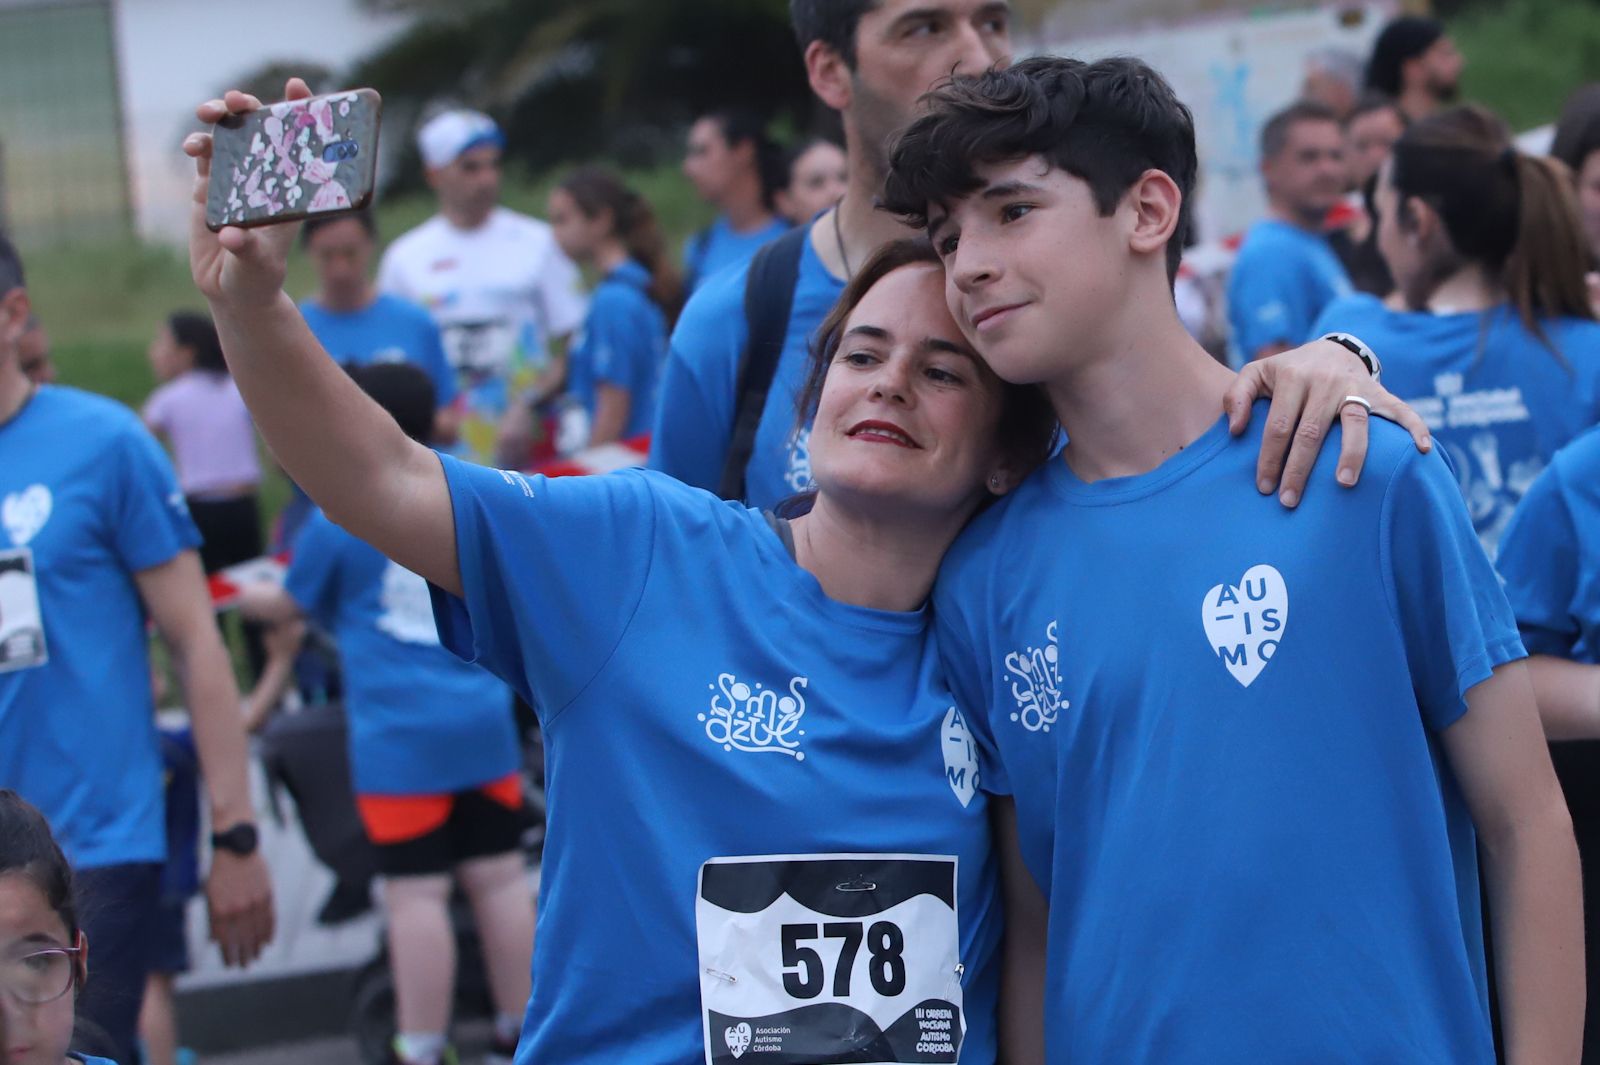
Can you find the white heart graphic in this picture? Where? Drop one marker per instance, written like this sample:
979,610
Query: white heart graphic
1245,622
24,513
960,757
738,1038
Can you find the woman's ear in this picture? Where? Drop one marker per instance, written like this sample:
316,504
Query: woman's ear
1002,480
83,959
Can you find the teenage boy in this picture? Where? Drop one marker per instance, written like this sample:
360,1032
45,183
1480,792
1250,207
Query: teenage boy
1248,746
1287,272
871,61
95,541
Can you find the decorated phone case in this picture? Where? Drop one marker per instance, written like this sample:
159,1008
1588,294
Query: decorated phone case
292,159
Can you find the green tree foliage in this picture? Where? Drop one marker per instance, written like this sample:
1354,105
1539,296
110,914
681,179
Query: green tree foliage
576,79
1525,56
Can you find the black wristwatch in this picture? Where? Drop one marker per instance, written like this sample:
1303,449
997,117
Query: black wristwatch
1354,345
242,839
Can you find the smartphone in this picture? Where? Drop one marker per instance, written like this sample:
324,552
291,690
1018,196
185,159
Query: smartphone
289,160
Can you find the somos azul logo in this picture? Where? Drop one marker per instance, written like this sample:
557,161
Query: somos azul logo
753,718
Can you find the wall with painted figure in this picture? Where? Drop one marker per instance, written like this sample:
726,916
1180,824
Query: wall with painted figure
1233,70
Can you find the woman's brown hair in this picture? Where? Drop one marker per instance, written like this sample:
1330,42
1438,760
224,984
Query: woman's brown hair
1512,213
597,190
1027,422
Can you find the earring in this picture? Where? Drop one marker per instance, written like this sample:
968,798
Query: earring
994,482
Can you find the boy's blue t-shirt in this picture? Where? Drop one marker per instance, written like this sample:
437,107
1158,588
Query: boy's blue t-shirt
695,422
421,720
387,330
87,500
1550,555
1219,719
623,343
701,698
718,247
1498,400
1282,279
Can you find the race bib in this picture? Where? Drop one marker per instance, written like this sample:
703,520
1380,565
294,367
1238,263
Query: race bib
22,643
480,350
819,958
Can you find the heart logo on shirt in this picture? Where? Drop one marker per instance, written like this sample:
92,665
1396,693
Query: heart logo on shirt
24,513
1245,622
960,757
738,1037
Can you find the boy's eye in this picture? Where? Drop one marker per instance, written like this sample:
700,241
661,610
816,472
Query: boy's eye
947,244
1013,211
924,29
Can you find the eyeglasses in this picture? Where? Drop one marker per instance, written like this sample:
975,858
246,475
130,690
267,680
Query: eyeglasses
40,976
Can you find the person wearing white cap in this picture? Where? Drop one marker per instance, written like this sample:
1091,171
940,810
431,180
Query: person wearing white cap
496,283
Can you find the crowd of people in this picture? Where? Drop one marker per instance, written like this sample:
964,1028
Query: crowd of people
876,719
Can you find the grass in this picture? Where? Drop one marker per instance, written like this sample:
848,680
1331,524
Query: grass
1525,56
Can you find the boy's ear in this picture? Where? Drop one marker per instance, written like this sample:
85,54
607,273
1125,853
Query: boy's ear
1157,204
829,75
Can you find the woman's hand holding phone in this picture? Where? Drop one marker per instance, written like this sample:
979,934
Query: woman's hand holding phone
233,266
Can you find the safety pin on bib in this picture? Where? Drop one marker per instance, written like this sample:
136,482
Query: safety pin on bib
720,975
855,883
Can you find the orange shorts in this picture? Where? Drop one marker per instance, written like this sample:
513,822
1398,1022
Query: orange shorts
423,834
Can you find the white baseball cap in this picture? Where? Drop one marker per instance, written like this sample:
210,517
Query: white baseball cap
448,136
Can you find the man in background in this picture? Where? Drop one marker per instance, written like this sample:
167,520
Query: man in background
1417,65
500,290
1286,272
736,168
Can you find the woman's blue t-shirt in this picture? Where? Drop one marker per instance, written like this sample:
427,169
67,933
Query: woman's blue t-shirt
1499,400
623,343
702,699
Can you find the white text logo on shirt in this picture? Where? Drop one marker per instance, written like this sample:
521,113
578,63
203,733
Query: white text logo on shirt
1036,683
1245,621
756,718
798,475
960,756
24,513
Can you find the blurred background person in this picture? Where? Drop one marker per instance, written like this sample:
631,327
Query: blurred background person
616,358
1577,144
1370,130
1286,271
1415,63
1333,79
737,169
818,175
1496,346
33,350
501,292
433,756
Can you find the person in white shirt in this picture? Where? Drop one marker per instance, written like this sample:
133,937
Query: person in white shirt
503,294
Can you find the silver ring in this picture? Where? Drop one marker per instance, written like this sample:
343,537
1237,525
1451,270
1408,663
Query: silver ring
1346,401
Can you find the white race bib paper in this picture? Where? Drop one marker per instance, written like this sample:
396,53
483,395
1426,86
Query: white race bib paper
22,643
811,959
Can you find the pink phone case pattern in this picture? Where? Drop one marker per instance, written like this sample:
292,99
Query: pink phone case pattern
295,155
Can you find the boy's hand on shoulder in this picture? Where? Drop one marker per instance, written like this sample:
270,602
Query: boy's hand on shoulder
1312,387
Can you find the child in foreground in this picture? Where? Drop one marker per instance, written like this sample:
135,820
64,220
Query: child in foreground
44,955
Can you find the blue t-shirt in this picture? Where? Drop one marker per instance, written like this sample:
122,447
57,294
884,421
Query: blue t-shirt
717,248
421,720
701,698
387,330
695,423
87,500
623,343
1219,720
1550,555
1498,400
1281,280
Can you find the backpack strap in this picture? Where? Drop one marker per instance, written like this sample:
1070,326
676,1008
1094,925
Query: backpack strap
768,298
